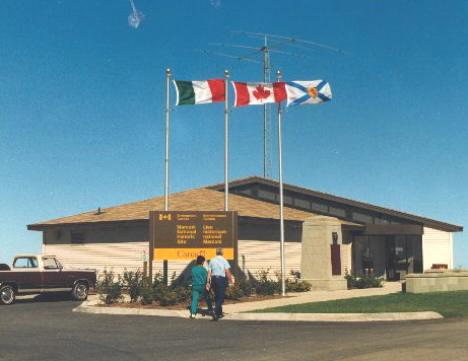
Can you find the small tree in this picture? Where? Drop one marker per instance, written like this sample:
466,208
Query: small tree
109,289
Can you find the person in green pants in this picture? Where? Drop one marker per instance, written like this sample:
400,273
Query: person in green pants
199,280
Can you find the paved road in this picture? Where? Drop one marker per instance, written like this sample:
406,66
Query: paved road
49,331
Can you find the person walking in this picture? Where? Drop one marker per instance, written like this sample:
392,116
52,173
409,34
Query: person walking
218,274
199,290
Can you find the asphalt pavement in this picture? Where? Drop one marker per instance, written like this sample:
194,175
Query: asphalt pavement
49,330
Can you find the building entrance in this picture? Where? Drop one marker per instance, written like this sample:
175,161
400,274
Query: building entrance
404,255
388,256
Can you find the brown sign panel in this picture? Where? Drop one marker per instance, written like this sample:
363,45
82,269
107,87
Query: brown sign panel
180,235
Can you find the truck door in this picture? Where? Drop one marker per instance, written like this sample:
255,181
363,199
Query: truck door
53,279
26,273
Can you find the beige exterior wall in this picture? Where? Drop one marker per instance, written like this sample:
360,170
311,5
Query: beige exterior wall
124,246
100,256
437,248
118,256
120,247
261,255
346,259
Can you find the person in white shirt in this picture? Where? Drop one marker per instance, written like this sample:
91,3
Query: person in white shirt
219,272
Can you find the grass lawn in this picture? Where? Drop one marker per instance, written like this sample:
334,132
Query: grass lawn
448,304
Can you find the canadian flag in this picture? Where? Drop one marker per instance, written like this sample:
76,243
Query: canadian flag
258,93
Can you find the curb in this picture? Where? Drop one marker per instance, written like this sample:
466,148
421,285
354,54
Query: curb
336,317
89,307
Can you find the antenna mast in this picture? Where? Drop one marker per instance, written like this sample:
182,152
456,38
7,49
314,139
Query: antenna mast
271,44
266,114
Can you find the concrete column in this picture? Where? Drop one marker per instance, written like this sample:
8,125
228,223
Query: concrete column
316,253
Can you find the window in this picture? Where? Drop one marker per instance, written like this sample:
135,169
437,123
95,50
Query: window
337,212
49,263
320,207
243,191
266,195
380,220
288,200
363,218
25,262
302,203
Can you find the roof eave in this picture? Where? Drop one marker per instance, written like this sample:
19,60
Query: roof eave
45,226
428,222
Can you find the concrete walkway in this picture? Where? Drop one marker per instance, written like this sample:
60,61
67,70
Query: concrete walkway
312,296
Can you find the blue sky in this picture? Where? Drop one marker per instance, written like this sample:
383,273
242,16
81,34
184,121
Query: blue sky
82,100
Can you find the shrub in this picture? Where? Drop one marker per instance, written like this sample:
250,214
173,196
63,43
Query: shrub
108,289
183,293
158,280
168,295
133,283
296,284
167,298
146,292
234,292
241,288
264,285
363,282
246,286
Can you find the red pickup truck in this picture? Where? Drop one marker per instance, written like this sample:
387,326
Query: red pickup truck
37,274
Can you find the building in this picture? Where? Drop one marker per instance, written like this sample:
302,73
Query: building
326,236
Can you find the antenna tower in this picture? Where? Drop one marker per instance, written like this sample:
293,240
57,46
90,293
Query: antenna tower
271,44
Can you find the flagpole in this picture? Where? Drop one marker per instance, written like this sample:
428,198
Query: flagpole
280,163
166,160
226,141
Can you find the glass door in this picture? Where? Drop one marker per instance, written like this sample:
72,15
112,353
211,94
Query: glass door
397,260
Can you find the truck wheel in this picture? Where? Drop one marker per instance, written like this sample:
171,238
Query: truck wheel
7,295
80,291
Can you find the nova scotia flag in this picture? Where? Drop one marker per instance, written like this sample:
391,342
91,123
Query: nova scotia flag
301,92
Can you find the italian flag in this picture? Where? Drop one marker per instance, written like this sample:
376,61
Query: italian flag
199,91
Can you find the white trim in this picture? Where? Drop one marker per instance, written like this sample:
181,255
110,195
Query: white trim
451,264
177,91
30,290
63,289
235,92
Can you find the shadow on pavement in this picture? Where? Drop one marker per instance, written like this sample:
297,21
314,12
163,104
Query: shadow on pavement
56,297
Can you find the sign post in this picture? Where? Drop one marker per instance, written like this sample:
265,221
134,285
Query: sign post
184,235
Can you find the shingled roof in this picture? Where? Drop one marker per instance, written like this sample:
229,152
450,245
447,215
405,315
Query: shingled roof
191,200
212,198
